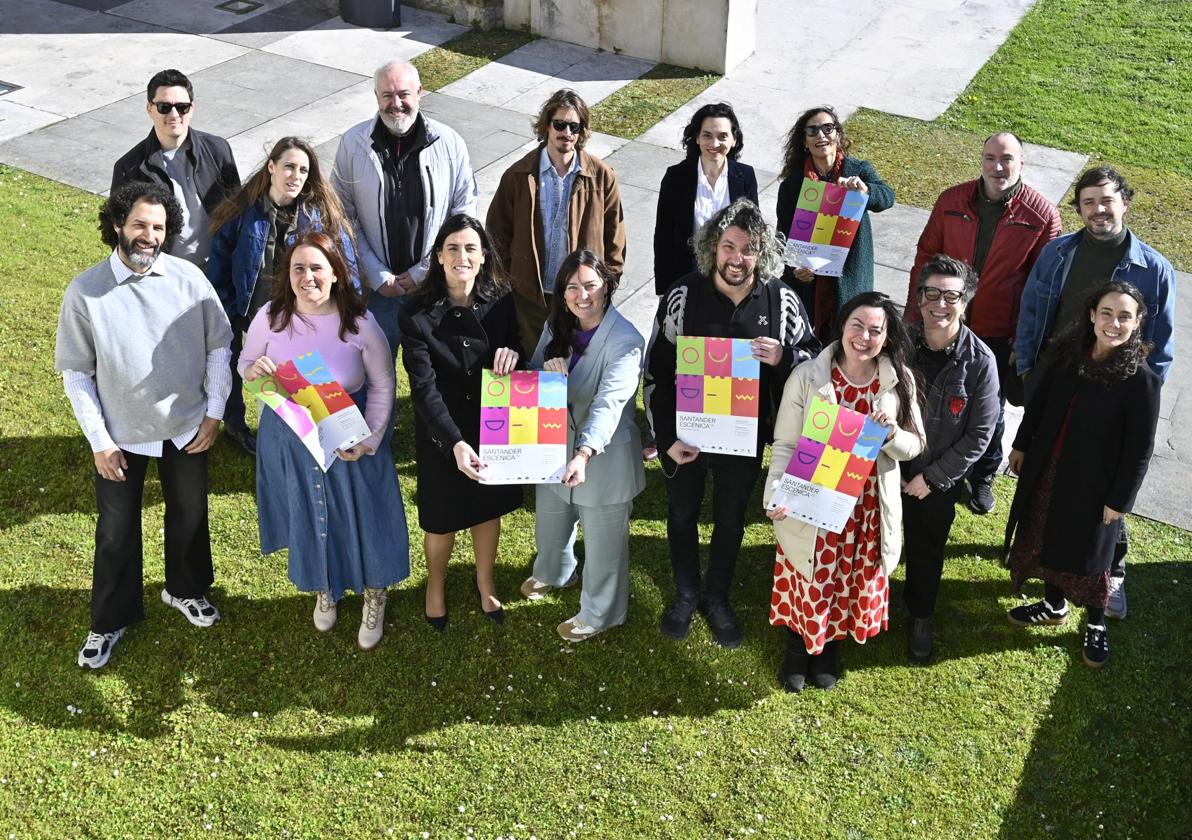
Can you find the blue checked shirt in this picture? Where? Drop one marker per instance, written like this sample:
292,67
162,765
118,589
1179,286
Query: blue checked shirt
554,194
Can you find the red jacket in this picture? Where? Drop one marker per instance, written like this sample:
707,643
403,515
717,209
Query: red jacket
1030,223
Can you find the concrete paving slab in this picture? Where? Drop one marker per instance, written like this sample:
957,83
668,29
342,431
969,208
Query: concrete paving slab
1052,171
17,119
642,164
602,145
346,47
195,18
895,237
71,161
280,22
489,177
472,117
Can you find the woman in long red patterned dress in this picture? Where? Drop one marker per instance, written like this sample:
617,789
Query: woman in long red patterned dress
829,586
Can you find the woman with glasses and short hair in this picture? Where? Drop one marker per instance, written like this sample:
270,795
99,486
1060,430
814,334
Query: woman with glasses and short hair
817,149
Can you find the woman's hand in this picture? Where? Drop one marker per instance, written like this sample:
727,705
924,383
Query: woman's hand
804,274
917,487
777,514
1110,516
1017,456
354,453
682,453
263,366
504,361
883,419
766,350
467,461
558,364
576,471
854,183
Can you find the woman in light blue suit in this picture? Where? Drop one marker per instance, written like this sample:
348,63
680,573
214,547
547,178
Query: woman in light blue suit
601,353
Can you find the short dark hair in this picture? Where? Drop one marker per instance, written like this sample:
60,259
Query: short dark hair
561,100
113,213
170,78
941,265
490,280
1102,175
713,110
564,325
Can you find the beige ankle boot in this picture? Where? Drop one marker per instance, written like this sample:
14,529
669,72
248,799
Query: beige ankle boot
372,621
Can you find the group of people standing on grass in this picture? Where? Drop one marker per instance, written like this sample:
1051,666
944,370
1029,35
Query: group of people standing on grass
211,283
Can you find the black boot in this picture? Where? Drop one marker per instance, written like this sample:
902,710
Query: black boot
823,667
792,675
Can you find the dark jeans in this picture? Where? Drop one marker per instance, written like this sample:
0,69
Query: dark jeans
117,583
926,523
386,311
733,480
986,467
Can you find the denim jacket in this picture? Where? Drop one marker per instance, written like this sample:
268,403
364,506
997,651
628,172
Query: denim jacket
238,254
1142,266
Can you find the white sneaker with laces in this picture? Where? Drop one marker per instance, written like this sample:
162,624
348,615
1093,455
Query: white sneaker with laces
372,622
574,630
325,612
198,611
97,649
1116,608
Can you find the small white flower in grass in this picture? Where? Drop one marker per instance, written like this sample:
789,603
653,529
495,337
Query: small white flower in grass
380,775
115,773
462,808
434,683
207,826
256,714
713,794
425,834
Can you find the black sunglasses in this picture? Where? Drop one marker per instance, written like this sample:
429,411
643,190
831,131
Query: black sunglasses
573,127
181,107
826,129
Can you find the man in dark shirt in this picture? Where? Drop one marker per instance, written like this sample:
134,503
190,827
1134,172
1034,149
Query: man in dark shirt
731,297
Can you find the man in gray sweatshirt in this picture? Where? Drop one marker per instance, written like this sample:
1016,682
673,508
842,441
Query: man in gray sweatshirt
143,348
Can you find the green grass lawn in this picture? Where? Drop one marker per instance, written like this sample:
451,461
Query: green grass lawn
260,726
1111,79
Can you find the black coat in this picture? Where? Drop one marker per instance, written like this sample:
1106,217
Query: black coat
673,224
444,349
210,159
1103,458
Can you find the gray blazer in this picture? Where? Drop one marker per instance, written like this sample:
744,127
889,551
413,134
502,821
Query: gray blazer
601,405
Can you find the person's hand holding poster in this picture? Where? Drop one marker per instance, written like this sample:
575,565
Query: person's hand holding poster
827,217
523,427
830,465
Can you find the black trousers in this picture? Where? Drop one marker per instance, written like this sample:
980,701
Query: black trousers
733,480
926,523
234,411
117,583
986,467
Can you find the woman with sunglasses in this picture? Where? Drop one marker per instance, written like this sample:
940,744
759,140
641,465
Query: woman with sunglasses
817,149
1081,453
286,197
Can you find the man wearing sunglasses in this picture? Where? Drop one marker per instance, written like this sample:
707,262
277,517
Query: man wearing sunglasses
197,167
556,199
998,225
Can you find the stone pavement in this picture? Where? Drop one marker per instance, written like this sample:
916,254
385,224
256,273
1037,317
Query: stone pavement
293,67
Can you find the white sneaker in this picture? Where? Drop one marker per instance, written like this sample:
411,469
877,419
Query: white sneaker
97,649
198,611
536,590
372,622
574,630
1116,608
325,612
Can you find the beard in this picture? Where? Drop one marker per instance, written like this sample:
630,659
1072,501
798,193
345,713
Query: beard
137,258
400,123
744,279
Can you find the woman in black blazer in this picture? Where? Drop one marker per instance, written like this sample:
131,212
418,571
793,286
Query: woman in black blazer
461,321
713,142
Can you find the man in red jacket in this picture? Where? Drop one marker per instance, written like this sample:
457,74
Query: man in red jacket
998,225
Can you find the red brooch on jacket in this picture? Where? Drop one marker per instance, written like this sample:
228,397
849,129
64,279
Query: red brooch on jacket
956,405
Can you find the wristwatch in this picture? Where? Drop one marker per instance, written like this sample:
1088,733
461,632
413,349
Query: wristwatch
585,452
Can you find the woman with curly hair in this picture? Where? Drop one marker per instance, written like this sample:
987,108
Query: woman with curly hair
1081,453
817,149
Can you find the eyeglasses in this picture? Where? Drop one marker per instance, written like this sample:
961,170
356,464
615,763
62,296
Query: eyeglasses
563,125
181,107
826,129
950,296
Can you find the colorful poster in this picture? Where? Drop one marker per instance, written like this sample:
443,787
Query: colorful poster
309,400
717,389
826,221
828,469
523,427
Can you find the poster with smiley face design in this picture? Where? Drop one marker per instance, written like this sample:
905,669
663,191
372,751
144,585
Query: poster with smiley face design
825,223
827,472
523,427
307,398
717,389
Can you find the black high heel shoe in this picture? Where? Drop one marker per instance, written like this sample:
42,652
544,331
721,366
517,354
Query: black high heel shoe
497,616
438,622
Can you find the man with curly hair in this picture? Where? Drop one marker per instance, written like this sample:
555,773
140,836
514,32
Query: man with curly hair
731,296
143,348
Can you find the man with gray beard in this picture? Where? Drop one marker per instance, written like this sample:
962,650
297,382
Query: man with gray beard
400,175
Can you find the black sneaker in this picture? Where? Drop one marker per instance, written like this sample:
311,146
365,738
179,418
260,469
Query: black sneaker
981,496
676,621
1096,645
722,623
242,437
1039,612
920,646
